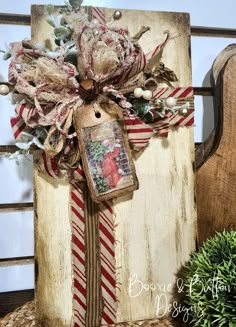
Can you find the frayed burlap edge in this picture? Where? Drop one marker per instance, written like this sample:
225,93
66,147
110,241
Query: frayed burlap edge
25,317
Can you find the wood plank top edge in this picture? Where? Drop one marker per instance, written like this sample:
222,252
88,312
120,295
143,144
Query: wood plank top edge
207,31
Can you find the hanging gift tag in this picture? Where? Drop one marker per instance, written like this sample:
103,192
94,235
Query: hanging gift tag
104,149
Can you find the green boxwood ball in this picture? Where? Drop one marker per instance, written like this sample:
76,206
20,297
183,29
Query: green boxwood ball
211,282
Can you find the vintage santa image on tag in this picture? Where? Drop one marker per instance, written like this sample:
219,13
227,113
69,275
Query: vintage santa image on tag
105,152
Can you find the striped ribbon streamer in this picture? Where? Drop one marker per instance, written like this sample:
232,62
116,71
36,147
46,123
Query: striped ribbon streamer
92,265
108,264
98,14
18,126
78,256
161,126
138,132
93,256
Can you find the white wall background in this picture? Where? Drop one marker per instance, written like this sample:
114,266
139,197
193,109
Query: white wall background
16,229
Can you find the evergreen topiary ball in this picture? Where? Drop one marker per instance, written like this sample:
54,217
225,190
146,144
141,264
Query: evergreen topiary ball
211,282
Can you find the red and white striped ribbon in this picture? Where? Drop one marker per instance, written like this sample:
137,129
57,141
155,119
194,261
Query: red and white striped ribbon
139,133
78,256
48,165
157,49
99,15
18,126
142,60
27,112
137,66
161,126
107,257
77,175
178,92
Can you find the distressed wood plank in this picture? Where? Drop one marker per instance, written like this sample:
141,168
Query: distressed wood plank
216,179
21,19
52,251
153,241
52,226
157,224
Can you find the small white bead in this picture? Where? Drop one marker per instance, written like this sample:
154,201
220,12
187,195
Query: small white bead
95,21
4,89
170,102
184,111
138,92
147,95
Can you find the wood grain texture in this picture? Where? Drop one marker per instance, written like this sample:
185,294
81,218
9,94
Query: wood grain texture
156,228
52,225
156,225
206,31
216,179
52,251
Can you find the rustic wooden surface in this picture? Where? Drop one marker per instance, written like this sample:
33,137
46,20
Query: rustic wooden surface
156,229
52,251
216,179
157,224
19,19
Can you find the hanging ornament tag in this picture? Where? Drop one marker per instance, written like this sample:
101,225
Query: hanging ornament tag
104,149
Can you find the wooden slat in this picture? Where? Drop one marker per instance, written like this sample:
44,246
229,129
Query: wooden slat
14,19
216,179
16,261
7,207
4,149
8,148
9,301
203,91
213,31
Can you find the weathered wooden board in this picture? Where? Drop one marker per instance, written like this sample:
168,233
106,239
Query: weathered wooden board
156,225
216,179
52,251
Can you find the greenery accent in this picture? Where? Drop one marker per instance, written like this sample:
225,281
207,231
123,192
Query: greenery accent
142,108
98,151
101,183
75,4
211,282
